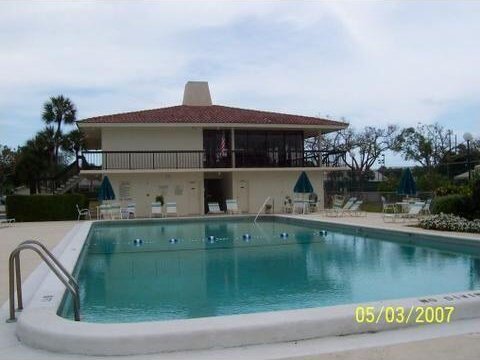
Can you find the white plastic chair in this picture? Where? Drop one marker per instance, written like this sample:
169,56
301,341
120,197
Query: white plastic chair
83,212
115,211
156,209
214,208
171,209
355,210
232,206
104,210
130,210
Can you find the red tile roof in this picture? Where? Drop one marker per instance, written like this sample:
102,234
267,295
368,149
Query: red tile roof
214,114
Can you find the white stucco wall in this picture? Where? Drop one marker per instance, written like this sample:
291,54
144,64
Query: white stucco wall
252,188
186,189
124,139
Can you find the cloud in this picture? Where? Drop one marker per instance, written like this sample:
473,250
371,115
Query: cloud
371,62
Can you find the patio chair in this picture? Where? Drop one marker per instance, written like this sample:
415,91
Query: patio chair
388,208
83,212
4,222
426,207
300,206
115,211
156,209
130,210
171,209
287,205
232,206
214,208
104,210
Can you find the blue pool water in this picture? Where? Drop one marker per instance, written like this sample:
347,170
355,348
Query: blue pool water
200,268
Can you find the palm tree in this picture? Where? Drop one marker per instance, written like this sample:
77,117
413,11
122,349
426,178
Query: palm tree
35,159
59,110
73,142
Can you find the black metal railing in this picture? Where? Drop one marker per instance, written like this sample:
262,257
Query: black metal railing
198,159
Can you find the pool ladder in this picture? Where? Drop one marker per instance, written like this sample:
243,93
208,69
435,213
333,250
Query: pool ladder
261,208
14,273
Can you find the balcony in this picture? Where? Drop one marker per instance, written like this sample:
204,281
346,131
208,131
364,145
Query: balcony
200,159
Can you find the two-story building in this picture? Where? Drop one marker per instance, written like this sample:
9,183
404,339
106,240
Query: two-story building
198,152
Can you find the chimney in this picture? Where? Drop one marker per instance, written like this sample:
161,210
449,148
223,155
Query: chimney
197,93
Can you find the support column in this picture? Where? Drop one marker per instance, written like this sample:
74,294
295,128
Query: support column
232,140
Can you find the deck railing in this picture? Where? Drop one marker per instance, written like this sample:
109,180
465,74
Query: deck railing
198,159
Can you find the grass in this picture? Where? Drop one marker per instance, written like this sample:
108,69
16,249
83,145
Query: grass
370,206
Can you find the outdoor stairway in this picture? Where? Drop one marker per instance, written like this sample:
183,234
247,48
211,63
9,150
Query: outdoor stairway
71,182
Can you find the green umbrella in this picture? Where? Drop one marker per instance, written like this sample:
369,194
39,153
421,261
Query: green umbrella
106,190
303,185
407,184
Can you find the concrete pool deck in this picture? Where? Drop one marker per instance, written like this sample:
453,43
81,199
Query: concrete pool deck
459,340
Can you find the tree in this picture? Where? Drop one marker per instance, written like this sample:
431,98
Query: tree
59,110
361,148
73,142
36,159
428,145
8,158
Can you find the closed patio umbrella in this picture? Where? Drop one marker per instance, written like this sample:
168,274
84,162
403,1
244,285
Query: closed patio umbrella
303,186
106,190
407,184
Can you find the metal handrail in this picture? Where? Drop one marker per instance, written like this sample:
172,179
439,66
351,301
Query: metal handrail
14,272
52,257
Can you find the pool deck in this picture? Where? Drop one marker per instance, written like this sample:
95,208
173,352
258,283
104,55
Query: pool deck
458,340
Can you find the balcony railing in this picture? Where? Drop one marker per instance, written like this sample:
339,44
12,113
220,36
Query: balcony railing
200,159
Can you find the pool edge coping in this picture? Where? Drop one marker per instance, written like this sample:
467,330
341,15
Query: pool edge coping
67,336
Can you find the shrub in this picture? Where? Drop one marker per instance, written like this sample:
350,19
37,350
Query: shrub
45,207
446,222
452,204
451,189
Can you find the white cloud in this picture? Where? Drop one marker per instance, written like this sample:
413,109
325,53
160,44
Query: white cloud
375,63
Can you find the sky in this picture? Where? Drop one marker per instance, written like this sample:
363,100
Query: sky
370,63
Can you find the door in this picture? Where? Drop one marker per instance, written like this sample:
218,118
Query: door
242,192
194,197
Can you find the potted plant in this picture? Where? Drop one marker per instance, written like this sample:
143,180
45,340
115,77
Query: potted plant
268,208
159,199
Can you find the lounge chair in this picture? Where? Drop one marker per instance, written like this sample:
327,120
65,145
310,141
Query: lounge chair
214,208
171,209
355,210
232,206
4,222
156,209
414,210
83,212
339,208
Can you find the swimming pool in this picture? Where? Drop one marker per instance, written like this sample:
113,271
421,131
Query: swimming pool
165,285
149,271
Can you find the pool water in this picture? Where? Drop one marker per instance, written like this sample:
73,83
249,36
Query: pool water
159,270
